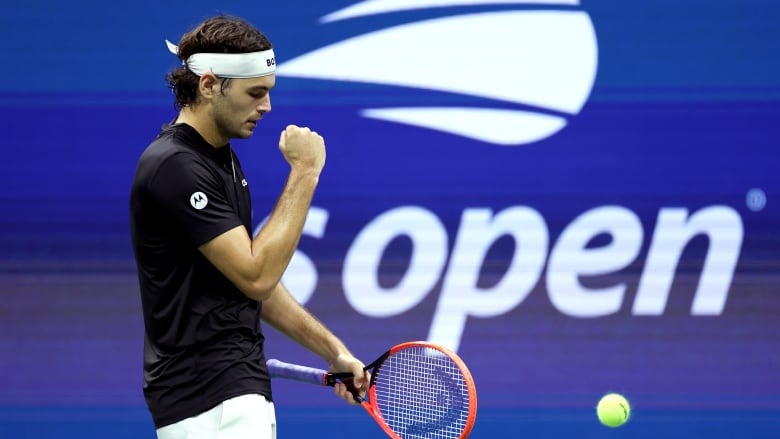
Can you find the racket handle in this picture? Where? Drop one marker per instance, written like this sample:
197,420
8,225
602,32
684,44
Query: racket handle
306,374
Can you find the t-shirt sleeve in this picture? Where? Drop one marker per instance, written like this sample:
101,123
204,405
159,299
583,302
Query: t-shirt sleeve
194,197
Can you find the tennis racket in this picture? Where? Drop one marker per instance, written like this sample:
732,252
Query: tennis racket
417,390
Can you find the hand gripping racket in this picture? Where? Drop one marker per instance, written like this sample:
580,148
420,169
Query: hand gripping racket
417,390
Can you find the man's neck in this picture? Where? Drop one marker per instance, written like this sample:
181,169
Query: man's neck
203,124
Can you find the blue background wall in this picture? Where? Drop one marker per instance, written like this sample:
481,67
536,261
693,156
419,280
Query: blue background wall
683,115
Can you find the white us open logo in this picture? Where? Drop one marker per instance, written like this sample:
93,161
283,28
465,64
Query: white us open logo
199,200
537,65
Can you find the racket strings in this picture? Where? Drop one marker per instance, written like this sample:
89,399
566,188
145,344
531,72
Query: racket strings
422,393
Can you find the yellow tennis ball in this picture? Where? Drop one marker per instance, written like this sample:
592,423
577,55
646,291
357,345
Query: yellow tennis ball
613,410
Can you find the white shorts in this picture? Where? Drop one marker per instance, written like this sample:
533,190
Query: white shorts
242,417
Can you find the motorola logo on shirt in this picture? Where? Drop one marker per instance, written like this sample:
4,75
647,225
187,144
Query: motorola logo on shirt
198,200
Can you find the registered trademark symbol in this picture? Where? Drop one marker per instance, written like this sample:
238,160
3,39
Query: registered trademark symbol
756,199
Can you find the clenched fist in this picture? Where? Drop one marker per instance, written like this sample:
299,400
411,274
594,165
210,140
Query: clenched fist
303,148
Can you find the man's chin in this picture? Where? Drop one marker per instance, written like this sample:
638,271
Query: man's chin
244,134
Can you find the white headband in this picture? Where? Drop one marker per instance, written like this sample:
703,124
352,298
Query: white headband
229,65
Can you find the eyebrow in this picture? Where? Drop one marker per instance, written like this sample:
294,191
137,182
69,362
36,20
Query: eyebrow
259,88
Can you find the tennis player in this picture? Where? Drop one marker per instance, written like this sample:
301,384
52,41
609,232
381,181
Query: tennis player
205,282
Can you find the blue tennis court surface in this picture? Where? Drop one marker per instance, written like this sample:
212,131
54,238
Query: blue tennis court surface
134,422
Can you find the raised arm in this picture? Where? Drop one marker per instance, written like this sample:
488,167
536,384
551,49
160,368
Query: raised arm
256,265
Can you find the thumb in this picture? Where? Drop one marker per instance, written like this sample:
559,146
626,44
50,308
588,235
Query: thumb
357,373
359,377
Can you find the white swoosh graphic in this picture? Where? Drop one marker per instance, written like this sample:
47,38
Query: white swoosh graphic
373,7
540,58
501,127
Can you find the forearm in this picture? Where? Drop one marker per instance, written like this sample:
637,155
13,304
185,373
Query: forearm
275,244
285,314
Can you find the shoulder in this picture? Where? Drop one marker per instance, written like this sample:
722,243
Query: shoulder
166,153
165,146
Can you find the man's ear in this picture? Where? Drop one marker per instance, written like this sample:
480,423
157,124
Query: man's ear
207,85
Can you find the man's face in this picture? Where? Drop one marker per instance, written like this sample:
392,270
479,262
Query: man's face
243,104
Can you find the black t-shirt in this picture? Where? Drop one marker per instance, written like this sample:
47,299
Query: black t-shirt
203,342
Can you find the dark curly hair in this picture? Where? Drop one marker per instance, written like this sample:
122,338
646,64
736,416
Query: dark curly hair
220,34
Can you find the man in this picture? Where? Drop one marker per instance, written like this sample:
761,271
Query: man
205,282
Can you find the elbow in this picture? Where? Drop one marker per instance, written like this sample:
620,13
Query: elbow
260,289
